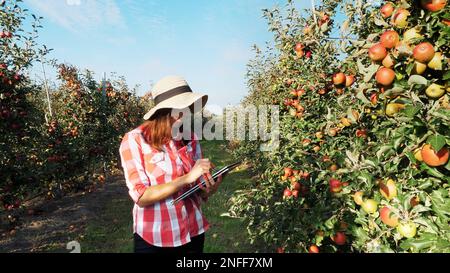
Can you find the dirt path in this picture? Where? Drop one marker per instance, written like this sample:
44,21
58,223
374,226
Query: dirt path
55,223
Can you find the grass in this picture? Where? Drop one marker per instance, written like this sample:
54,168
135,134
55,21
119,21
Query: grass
111,232
226,235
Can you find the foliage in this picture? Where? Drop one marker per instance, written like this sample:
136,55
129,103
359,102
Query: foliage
74,146
339,138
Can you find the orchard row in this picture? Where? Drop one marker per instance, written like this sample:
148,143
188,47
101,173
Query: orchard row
55,138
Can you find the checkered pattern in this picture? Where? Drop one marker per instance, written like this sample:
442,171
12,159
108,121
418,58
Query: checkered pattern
162,224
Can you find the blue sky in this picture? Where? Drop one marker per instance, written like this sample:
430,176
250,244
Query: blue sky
206,41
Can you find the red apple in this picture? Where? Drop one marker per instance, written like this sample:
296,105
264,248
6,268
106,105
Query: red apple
385,76
388,218
377,52
374,98
306,142
301,92
287,193
387,10
287,172
339,78
313,249
335,185
349,80
305,175
389,39
299,50
433,5
424,52
433,158
362,133
299,47
340,238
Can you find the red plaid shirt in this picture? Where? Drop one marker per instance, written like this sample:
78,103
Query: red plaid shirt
162,224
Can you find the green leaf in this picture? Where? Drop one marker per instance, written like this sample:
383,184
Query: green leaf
368,72
411,110
425,185
447,75
447,166
442,246
431,171
437,141
427,240
331,222
382,151
431,227
397,90
380,23
441,203
417,79
398,142
409,68
360,235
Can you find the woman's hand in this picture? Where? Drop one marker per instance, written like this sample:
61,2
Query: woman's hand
157,193
211,185
201,167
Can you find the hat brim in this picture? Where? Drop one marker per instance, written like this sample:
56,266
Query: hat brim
181,101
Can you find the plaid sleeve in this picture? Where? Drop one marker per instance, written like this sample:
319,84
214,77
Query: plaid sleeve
197,149
132,161
198,154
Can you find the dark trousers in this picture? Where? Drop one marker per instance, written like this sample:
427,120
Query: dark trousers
195,246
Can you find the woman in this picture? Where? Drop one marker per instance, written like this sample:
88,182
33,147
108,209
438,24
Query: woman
159,166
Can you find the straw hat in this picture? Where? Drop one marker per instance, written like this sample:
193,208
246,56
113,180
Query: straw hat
173,92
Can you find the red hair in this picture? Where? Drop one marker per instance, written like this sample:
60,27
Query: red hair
158,130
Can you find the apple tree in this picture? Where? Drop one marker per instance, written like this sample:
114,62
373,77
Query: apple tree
400,179
363,159
19,119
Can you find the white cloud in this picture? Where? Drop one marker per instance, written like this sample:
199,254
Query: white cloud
151,17
79,15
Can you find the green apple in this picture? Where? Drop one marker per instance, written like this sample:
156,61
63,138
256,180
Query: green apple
435,91
400,18
407,229
393,108
369,206
419,68
358,197
388,189
436,62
